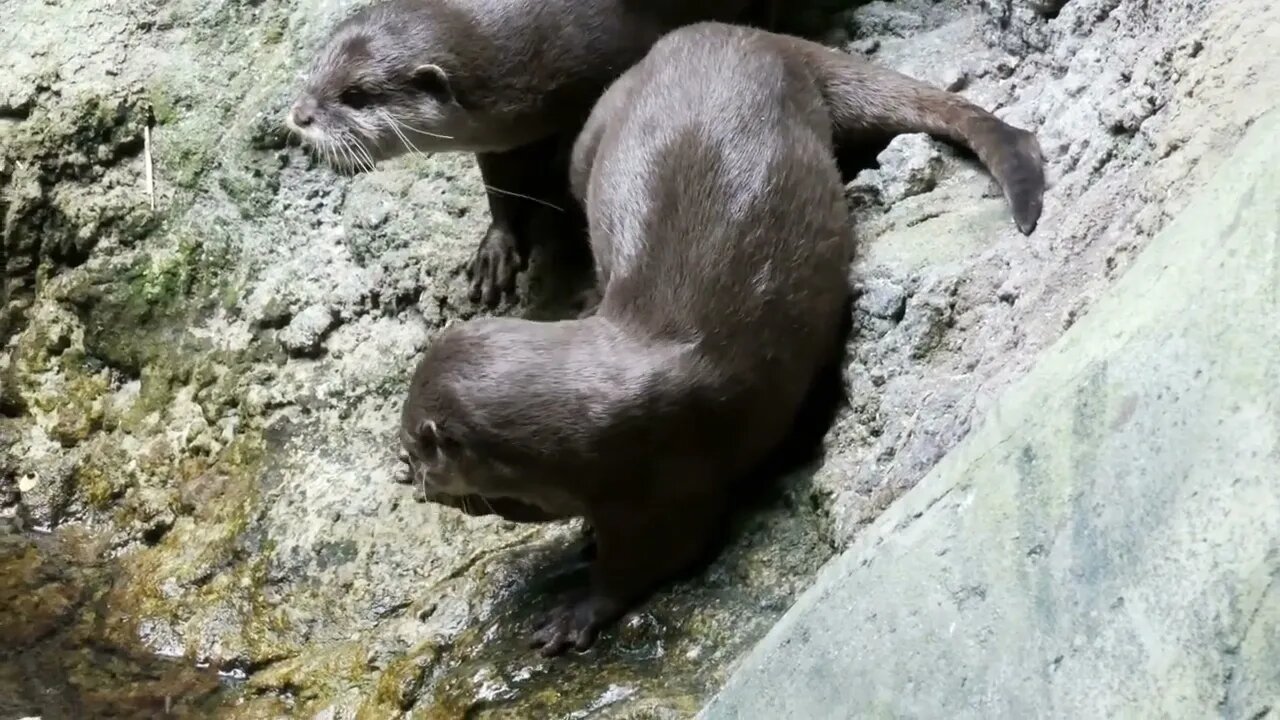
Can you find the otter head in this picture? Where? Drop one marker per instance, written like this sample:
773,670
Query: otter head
446,438
496,408
437,461
380,87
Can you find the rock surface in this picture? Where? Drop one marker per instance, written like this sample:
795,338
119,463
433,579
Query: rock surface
211,385
1107,542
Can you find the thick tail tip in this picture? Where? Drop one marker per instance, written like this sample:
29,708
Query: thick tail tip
1022,174
1027,206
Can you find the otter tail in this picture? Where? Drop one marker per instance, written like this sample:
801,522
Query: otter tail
865,99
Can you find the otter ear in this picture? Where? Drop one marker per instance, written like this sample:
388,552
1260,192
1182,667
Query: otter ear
431,79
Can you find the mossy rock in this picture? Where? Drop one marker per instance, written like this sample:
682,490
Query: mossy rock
138,315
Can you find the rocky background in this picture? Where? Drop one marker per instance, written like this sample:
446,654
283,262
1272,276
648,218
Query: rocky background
206,334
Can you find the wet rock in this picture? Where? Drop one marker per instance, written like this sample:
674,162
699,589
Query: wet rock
46,490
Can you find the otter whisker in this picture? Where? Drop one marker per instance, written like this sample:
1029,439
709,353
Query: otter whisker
332,148
500,191
400,121
330,155
487,504
395,128
357,162
348,160
364,151
350,154
368,154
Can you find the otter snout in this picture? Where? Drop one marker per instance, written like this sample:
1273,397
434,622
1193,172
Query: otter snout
303,113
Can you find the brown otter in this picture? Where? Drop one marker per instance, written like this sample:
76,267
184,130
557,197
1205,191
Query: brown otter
513,81
510,80
720,232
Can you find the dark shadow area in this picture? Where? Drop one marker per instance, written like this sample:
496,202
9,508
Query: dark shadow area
805,18
66,653
853,158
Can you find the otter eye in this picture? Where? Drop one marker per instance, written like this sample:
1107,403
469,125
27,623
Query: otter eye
355,97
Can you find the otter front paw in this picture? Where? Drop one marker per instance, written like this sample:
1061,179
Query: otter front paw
495,266
574,624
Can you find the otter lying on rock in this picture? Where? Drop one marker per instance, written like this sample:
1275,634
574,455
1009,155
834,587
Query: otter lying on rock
514,80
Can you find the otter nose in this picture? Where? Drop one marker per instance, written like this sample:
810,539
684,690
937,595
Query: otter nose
303,112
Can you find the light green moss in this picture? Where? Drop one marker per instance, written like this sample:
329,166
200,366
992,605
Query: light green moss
314,677
164,108
185,160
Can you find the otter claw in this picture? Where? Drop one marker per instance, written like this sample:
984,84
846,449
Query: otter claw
575,624
571,625
494,269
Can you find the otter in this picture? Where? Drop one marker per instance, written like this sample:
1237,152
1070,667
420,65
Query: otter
720,233
513,81
509,80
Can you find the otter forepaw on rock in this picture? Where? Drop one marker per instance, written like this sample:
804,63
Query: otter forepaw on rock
574,624
493,270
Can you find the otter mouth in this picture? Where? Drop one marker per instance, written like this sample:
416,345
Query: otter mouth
423,488
345,154
349,154
345,151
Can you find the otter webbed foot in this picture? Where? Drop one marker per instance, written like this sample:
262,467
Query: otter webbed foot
497,263
574,625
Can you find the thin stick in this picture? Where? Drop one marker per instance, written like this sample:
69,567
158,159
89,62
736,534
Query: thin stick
146,152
